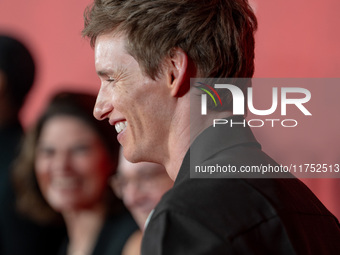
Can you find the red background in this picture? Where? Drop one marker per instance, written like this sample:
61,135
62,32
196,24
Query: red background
296,38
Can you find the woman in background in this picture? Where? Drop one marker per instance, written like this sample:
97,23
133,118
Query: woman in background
64,167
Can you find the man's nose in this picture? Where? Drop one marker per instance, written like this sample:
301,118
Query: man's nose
103,106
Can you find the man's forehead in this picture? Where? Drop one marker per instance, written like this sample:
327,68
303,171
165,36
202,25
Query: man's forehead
111,38
110,55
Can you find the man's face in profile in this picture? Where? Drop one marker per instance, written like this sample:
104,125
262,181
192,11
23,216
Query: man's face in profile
131,101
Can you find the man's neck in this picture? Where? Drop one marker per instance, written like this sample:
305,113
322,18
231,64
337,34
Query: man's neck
187,128
179,139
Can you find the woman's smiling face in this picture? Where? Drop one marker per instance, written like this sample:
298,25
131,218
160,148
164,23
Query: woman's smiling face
72,164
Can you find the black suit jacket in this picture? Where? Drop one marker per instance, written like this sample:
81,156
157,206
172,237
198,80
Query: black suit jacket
238,216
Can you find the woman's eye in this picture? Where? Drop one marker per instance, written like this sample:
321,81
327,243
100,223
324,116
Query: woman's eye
81,149
45,152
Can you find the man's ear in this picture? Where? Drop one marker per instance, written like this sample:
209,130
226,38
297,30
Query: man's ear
177,73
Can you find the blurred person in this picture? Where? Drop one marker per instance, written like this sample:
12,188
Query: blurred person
18,235
146,53
63,170
140,186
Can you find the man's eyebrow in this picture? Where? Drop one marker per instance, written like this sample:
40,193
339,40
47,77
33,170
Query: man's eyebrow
111,71
102,73
108,71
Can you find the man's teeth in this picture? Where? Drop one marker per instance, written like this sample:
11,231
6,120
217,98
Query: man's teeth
120,126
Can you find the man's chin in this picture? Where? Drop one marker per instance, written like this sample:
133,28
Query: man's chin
132,155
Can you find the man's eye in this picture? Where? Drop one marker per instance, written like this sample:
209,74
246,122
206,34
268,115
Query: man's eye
110,79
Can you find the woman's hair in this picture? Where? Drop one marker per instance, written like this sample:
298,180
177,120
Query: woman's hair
30,200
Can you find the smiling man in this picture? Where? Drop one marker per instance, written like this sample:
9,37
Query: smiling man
142,125
145,54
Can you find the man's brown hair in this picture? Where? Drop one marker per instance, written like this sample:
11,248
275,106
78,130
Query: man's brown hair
217,35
